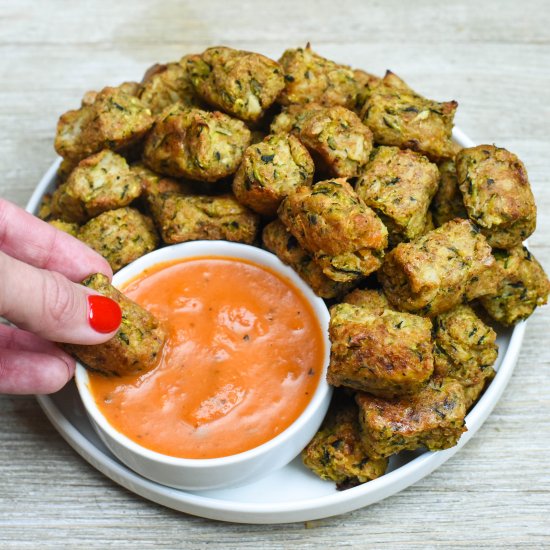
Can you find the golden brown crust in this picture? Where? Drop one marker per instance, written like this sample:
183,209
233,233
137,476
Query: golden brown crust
292,117
399,116
184,217
99,183
465,347
336,451
399,185
64,171
115,120
344,236
283,244
154,184
383,352
366,82
195,144
137,345
434,418
497,194
339,142
521,286
373,300
130,88
240,83
310,78
68,227
45,208
270,170
439,270
120,236
166,84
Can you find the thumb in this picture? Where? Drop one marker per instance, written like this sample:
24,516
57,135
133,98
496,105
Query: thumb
49,305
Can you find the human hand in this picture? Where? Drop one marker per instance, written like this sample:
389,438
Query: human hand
40,267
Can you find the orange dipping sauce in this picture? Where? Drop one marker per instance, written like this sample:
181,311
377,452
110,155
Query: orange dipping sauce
242,360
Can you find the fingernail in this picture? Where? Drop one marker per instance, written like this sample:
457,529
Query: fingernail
104,314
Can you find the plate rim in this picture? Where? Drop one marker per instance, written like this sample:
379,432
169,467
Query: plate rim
280,512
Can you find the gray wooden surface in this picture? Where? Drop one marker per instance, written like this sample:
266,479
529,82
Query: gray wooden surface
493,57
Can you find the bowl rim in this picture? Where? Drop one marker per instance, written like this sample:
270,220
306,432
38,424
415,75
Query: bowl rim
235,251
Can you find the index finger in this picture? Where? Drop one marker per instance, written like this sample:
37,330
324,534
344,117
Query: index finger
35,242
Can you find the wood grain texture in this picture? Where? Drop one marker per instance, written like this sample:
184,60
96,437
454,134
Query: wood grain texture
492,57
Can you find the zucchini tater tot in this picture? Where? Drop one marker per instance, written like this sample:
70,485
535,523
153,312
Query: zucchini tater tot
338,141
115,120
130,88
435,272
399,116
399,185
166,84
100,182
497,194
310,78
432,418
242,84
137,345
378,350
120,236
465,347
191,143
344,236
182,217
521,286
270,170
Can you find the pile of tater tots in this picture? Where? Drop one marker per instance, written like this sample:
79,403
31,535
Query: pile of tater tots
355,182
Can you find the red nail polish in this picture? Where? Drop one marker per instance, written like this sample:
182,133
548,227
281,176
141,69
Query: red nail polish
104,314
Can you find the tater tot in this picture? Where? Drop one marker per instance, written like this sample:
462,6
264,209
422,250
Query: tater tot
381,351
439,270
242,84
399,185
114,120
310,78
399,116
344,236
137,345
521,285
270,170
120,236
432,418
196,144
182,217
497,194
339,143
465,347
99,183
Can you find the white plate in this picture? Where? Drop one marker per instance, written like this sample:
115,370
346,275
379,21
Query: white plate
292,493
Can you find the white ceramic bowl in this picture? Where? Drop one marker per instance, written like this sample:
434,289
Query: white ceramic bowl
199,474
